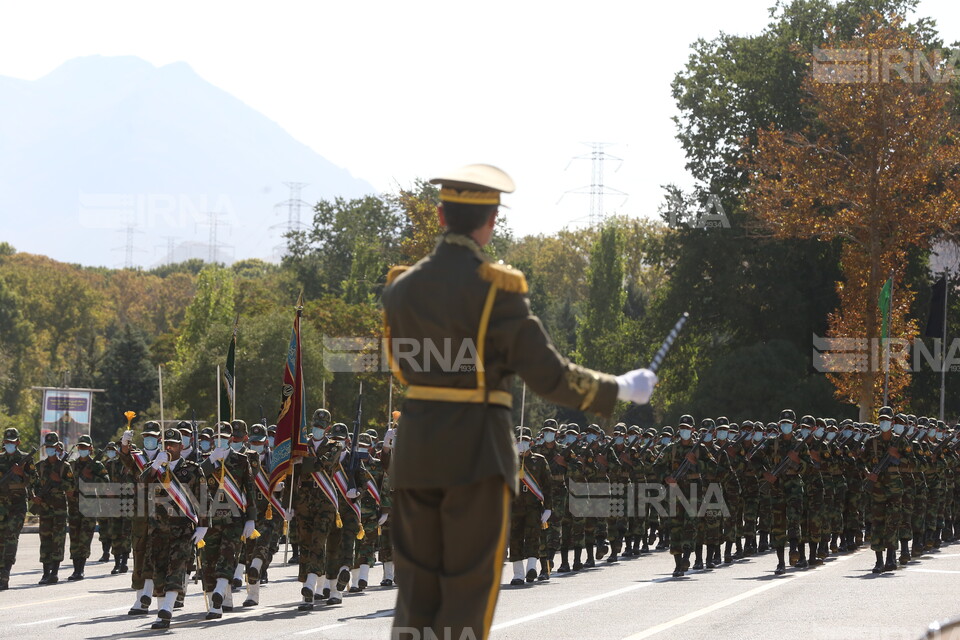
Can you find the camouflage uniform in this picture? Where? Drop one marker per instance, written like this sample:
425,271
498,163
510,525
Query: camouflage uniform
527,510
815,500
786,497
550,538
17,472
83,508
54,478
269,522
119,526
683,521
135,461
886,497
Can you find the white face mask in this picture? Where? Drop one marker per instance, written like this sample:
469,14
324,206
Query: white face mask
685,434
10,447
204,445
186,441
523,446
236,446
758,436
786,427
847,433
857,436
910,431
632,438
804,432
150,443
257,447
818,433
111,454
708,437
831,435
51,451
592,437
722,434
618,440
223,443
83,453
898,429
885,426
665,440
549,436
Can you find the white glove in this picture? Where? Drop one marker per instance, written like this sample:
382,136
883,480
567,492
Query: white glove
279,487
218,454
198,534
352,494
289,514
545,516
382,519
127,437
161,459
248,528
389,438
636,386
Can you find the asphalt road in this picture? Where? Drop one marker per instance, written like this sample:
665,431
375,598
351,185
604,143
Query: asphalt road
635,599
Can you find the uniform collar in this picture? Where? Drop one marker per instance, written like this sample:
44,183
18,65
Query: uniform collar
461,240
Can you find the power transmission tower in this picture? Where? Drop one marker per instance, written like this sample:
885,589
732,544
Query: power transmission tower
597,189
213,243
293,204
128,232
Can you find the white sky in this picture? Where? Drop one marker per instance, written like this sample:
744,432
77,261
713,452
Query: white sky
396,90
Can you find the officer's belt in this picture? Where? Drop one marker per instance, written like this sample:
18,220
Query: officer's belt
453,394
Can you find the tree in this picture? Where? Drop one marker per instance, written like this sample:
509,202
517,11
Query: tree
213,303
128,378
878,170
600,329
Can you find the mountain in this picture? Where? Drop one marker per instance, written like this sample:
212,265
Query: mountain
104,149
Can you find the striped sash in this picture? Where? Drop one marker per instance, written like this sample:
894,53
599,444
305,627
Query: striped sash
372,488
326,486
340,479
231,488
181,497
531,483
264,486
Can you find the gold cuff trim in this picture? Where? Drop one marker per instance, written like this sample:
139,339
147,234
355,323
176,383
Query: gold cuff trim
453,394
448,194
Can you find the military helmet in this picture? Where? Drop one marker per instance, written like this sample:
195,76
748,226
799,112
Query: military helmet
830,421
85,439
185,425
820,422
364,440
722,420
11,435
886,412
272,430
901,418
771,426
922,421
650,432
51,439
620,427
172,435
805,421
321,418
634,429
594,428
206,433
524,434
912,418
573,426
747,424
666,431
787,415
223,428
372,433
239,428
339,431
707,423
846,422
686,419
151,428
111,445
549,425
258,433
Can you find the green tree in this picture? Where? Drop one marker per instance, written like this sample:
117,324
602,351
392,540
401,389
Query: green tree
213,303
129,381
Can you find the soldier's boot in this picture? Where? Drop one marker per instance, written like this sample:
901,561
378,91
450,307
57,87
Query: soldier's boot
295,555
823,547
253,595
764,542
178,603
917,550
263,578
166,611
138,608
891,564
602,548
878,568
815,559
123,565
253,571
842,547
928,540
307,591
678,569
628,547
343,578
711,558
577,562
794,554
78,564
834,547
106,552
781,565
531,574
387,574
802,560
750,546
238,572
54,569
738,550
686,561
5,576
335,596
904,551
590,563
698,561
544,569
614,550
642,549
728,552
857,539
364,578
46,573
217,597
117,562
564,561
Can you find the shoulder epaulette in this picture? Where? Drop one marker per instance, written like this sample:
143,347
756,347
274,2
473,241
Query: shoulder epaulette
505,277
395,272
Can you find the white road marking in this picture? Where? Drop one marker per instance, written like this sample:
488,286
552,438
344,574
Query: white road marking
30,624
724,603
931,570
34,604
315,630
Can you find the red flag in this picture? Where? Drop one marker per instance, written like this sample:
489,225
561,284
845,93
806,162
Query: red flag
290,439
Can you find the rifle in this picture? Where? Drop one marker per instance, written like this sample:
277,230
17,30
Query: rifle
786,461
757,447
9,473
951,440
684,464
887,460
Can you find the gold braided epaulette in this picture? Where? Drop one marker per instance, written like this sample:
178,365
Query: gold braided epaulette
505,277
395,272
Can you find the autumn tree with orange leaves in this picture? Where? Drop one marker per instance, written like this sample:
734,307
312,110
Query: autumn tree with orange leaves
877,167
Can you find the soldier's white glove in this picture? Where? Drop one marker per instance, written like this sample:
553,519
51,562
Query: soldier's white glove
248,528
198,534
352,494
289,516
279,487
545,516
218,454
161,459
127,437
636,386
382,519
389,438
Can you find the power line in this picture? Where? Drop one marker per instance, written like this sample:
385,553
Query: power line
597,189
293,204
128,232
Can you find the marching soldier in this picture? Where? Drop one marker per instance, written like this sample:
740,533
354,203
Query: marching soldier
529,510
678,467
233,520
86,473
787,456
175,525
550,539
882,458
814,495
54,478
258,552
370,505
119,524
17,474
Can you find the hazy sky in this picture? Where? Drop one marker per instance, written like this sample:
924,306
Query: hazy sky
396,90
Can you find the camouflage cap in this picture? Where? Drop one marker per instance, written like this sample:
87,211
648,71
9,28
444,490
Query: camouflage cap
172,435
224,428
11,435
258,433
594,428
524,434
364,440
722,420
686,419
321,418
634,429
272,430
206,433
620,427
339,431
51,439
151,428
85,440
549,425
667,431
372,433
573,426
239,428
111,445
650,432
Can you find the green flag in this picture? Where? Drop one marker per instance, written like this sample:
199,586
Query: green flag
227,380
884,303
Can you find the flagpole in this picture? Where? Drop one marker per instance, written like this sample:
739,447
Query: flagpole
943,358
218,400
390,401
886,346
233,399
523,402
